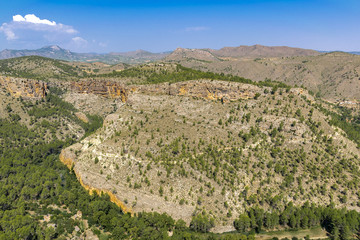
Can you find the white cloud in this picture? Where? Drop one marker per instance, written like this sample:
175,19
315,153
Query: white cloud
21,27
31,18
10,35
196,29
79,41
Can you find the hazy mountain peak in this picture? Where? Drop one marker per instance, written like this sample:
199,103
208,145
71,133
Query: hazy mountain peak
56,52
179,49
55,47
192,54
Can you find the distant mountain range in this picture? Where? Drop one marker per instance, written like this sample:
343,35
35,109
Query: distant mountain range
262,51
228,53
56,52
142,56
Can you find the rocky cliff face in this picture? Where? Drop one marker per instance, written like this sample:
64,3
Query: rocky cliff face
199,89
103,88
67,157
24,88
202,89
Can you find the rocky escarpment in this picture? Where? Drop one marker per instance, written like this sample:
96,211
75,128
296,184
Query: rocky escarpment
106,89
67,157
25,88
128,199
203,89
103,97
199,89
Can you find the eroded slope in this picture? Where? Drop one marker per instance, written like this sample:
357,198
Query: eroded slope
181,153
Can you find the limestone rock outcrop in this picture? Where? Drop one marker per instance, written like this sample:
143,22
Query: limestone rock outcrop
201,89
204,89
68,157
25,88
106,89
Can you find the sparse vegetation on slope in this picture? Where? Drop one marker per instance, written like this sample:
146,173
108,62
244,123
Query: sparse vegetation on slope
39,68
172,73
345,120
221,158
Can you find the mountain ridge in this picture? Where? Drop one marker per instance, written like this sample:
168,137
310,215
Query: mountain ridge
263,51
142,56
56,52
208,54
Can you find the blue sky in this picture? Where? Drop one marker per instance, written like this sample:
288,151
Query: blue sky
159,25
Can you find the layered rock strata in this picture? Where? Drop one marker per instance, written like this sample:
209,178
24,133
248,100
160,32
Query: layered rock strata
25,88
